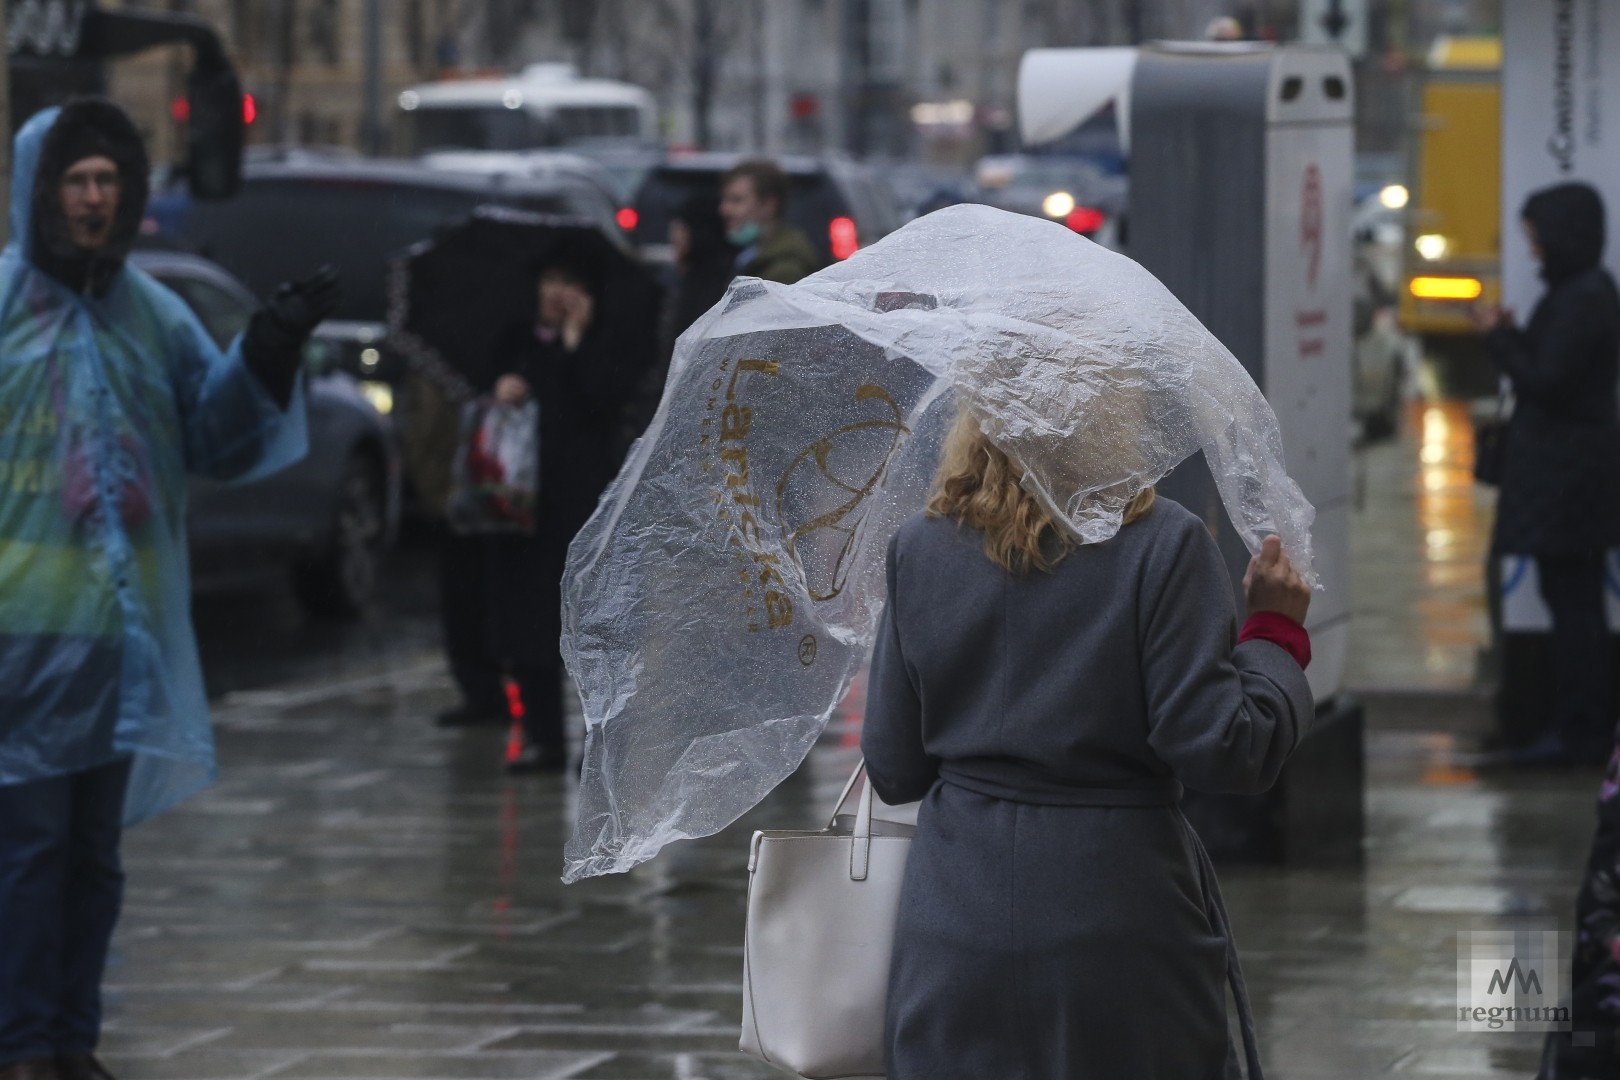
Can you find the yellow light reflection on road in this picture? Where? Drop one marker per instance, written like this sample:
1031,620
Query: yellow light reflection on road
1455,534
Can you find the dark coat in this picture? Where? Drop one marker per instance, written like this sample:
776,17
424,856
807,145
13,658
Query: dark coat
582,397
1056,919
1560,492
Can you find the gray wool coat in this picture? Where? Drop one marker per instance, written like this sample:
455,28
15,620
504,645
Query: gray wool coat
1058,917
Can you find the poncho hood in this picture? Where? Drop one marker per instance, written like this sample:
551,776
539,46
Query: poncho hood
48,145
1568,220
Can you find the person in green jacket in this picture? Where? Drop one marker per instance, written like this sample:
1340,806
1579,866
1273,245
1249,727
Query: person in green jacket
752,194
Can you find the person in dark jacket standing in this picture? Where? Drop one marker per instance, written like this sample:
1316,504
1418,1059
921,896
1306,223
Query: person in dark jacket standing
506,599
705,263
1046,701
1560,492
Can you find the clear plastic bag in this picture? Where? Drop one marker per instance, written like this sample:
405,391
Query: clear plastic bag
726,591
495,481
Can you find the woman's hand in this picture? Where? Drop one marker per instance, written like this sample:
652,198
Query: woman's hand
1272,583
580,309
511,390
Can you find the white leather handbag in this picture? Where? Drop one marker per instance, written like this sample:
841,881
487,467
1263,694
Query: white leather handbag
821,915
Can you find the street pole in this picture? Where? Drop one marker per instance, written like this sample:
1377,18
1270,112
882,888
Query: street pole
372,123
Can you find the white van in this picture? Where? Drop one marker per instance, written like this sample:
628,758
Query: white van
546,105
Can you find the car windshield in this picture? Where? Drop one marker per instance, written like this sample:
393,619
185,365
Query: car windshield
812,203
279,229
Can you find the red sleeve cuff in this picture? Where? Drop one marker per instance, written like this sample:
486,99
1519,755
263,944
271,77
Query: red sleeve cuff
1280,630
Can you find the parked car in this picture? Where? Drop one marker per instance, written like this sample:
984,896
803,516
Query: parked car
358,215
328,518
565,170
1075,192
626,166
826,196
918,188
295,213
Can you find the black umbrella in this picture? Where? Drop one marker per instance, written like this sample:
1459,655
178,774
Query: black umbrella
451,297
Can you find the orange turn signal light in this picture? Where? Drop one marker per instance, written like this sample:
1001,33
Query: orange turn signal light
1446,288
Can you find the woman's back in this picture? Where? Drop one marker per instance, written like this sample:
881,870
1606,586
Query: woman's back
1057,918
1112,670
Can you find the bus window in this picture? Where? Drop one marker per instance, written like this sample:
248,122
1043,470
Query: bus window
496,128
595,121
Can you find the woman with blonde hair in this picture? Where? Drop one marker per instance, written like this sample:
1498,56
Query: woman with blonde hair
1046,700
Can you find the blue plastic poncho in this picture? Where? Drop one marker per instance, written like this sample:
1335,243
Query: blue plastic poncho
108,399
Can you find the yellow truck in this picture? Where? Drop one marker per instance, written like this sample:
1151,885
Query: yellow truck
1453,250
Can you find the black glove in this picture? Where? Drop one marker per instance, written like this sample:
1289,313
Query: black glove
273,346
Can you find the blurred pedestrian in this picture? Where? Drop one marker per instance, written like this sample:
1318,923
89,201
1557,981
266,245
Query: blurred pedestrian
111,392
1046,701
705,262
1560,482
502,598
753,195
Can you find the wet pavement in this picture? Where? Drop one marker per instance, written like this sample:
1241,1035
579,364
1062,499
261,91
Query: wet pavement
364,895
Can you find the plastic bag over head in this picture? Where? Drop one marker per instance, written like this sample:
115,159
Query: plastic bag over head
725,594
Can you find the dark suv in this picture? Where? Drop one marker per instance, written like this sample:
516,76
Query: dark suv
826,195
293,215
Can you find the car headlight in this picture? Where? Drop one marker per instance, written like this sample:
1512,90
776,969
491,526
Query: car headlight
1432,246
1058,204
380,394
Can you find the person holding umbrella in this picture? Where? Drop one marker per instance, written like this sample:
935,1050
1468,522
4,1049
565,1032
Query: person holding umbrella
507,308
504,608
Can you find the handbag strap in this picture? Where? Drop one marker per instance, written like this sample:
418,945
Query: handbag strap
843,796
860,841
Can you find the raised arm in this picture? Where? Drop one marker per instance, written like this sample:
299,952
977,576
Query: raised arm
242,410
1223,716
1552,370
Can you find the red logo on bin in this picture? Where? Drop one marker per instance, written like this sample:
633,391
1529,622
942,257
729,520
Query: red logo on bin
1310,224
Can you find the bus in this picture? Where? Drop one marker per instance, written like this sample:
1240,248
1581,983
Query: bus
1453,214
544,106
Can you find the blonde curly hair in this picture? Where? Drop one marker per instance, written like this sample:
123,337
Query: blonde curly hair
980,486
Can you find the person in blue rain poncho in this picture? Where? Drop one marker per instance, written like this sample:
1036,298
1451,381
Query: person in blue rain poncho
111,393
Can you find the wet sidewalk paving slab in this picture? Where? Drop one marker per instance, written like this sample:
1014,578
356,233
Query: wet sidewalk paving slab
366,896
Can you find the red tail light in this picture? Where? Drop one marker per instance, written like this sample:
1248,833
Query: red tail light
1085,219
628,219
842,237
250,109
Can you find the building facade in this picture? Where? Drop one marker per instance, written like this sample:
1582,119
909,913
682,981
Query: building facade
887,78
